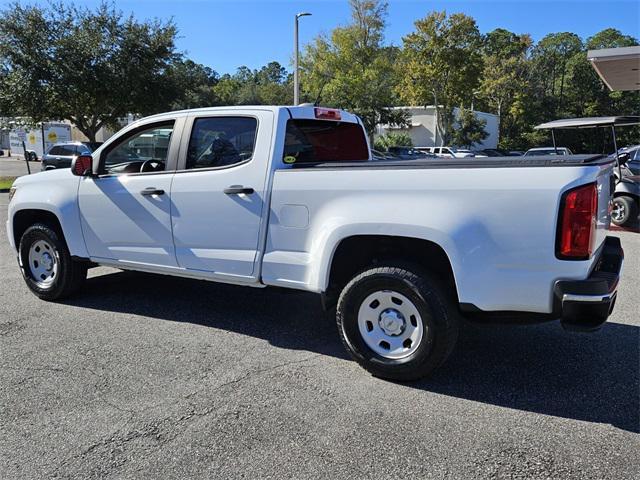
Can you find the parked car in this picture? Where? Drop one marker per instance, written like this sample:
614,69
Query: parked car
61,154
462,151
626,198
378,155
497,152
286,197
488,152
407,153
449,152
633,163
548,151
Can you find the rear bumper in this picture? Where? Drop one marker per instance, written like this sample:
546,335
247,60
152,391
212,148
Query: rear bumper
584,305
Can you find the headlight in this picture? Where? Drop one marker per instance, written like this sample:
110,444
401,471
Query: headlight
12,192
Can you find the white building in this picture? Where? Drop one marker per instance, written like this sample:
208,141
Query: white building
424,131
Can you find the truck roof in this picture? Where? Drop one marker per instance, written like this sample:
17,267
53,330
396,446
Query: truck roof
306,111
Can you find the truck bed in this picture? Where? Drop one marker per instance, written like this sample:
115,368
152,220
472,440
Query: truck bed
495,217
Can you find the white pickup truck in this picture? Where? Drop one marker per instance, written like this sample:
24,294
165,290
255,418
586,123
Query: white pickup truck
288,197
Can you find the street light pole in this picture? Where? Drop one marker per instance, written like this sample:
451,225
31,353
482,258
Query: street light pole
296,77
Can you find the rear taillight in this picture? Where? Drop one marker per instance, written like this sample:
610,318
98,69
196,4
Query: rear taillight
577,224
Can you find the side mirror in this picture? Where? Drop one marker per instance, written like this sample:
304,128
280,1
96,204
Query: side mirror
623,158
82,165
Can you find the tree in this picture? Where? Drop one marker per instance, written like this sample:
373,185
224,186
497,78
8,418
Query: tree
353,69
468,129
441,65
504,77
610,38
270,85
399,139
88,66
549,67
194,85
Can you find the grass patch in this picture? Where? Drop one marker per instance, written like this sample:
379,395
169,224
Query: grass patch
6,182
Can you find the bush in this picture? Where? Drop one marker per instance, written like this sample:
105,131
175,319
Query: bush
383,142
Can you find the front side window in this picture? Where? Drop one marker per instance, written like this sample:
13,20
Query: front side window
221,141
144,151
309,141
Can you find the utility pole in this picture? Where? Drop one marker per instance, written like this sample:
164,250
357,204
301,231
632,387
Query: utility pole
296,76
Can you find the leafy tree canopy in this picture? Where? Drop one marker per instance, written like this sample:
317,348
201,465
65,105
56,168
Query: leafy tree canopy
353,69
441,65
89,66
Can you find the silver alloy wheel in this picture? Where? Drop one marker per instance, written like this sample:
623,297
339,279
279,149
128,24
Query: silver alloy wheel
43,263
390,324
618,212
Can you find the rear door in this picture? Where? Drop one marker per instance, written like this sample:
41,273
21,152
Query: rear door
218,193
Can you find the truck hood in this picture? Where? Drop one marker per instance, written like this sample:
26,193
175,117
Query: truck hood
48,176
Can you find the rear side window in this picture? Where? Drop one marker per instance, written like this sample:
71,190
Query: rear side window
309,141
221,141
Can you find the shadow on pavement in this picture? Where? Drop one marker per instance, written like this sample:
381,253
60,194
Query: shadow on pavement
535,368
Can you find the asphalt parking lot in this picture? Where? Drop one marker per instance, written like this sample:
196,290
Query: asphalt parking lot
153,377
15,167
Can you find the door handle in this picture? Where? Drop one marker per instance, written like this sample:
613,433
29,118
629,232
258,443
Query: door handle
152,191
238,189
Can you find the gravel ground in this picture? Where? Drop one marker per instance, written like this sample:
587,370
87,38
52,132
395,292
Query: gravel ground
153,377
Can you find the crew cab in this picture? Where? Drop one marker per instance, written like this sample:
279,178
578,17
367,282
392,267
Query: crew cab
289,197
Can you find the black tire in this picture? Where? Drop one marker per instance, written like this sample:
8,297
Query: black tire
438,314
33,157
628,208
70,275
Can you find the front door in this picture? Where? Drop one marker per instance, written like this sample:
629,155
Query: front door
126,210
218,193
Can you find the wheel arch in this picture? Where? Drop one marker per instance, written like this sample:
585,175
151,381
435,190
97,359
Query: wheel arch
23,219
356,252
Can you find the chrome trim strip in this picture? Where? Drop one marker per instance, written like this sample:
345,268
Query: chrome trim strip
570,297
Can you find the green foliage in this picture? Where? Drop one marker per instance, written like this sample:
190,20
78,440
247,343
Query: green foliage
353,69
504,77
89,66
92,66
271,85
194,85
399,139
610,38
468,129
441,65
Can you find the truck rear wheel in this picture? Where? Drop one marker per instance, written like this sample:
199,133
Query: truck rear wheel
396,322
47,267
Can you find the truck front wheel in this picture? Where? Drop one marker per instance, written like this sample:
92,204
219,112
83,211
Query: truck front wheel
396,322
47,267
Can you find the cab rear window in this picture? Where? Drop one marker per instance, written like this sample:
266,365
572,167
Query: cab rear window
309,141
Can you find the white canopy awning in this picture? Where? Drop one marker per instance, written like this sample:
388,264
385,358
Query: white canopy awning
619,68
591,122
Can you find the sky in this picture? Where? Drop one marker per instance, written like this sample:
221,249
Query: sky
225,34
